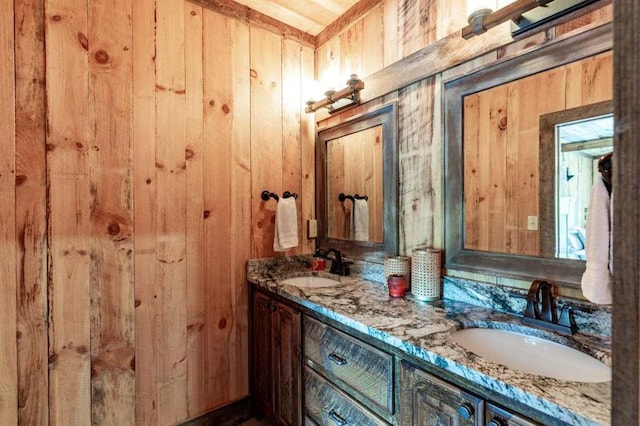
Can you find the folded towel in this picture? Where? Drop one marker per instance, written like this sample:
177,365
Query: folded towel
286,231
360,220
596,280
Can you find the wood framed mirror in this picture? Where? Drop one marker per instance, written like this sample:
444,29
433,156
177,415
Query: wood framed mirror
358,158
499,236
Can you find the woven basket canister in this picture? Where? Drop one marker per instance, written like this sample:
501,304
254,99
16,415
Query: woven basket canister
425,273
397,265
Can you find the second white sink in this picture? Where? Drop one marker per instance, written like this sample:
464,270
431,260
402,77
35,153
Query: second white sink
533,355
311,282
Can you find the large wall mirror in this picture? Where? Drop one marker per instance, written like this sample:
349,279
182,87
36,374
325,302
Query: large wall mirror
357,185
523,139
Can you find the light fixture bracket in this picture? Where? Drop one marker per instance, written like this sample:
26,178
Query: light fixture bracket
337,101
546,11
524,14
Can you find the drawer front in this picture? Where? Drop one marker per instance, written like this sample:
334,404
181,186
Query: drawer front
326,405
361,366
497,416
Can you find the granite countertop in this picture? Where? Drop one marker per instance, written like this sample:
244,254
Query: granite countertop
424,331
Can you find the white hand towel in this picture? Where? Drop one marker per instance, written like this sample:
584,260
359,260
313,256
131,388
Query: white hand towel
596,280
360,220
286,231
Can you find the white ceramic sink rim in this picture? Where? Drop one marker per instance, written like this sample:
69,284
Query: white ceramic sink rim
311,282
533,355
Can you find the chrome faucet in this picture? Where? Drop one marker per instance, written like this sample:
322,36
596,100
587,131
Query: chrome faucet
542,309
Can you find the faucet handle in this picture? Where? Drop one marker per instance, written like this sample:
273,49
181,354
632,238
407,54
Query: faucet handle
346,267
566,318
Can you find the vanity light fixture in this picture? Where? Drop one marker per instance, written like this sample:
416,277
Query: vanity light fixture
524,14
336,101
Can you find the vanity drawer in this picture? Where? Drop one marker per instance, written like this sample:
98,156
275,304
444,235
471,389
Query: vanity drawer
496,416
326,405
362,367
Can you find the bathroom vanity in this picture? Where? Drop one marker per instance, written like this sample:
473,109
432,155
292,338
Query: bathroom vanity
366,358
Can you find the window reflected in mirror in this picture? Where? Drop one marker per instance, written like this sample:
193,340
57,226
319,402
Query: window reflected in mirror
580,144
354,170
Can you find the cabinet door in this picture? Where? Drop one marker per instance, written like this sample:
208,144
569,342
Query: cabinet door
263,365
428,401
287,330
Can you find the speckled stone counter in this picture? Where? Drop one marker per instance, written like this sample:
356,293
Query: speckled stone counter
424,331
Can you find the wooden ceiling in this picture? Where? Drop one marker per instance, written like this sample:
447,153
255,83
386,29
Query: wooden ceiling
309,16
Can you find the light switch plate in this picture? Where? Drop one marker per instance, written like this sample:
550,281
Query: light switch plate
532,223
312,228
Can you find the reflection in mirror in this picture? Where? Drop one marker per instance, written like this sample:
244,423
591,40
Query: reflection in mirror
357,185
501,175
579,146
354,169
501,154
576,139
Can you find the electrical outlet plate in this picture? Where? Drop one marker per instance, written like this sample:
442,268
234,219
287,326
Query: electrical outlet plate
532,223
312,228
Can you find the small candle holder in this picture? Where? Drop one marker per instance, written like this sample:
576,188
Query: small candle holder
397,285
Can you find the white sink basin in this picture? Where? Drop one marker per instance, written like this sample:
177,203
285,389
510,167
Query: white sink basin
311,282
532,355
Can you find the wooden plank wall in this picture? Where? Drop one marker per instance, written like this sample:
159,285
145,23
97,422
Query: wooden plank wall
406,27
130,178
130,184
9,280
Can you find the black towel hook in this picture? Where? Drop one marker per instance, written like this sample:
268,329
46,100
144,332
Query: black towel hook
342,197
265,195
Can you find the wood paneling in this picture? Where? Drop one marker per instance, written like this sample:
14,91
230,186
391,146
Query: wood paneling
69,204
110,152
420,167
226,88
266,136
307,141
8,308
196,249
140,199
170,211
33,378
147,305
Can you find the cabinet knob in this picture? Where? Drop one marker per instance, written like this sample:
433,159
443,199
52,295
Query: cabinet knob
337,359
273,308
337,418
496,422
465,411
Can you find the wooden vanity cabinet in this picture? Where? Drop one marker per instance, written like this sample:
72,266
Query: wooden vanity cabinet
277,363
346,381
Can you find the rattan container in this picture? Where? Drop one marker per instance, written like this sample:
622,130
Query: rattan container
425,273
397,265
